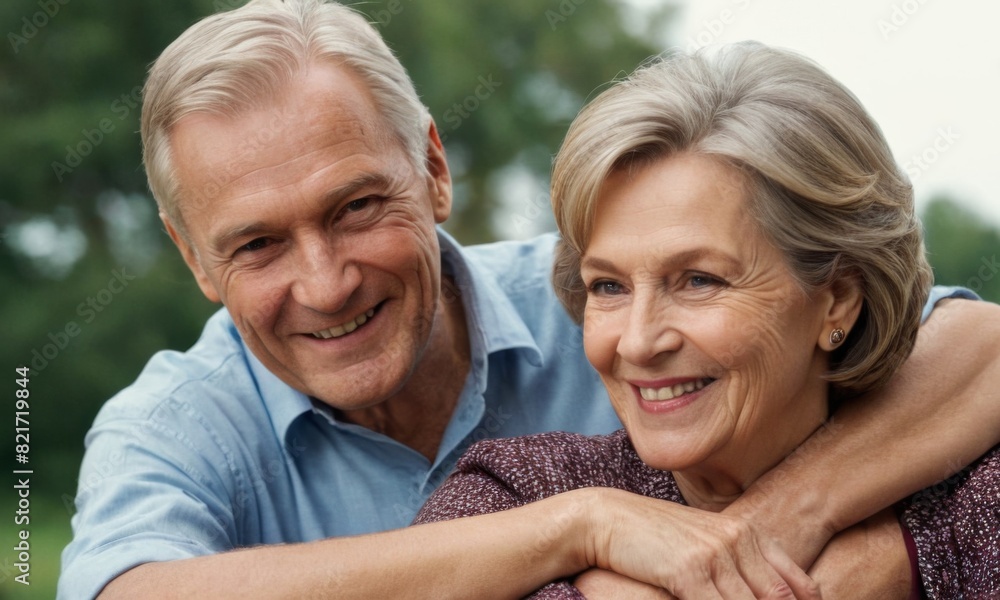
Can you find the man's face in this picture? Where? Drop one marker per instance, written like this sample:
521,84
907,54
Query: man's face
309,222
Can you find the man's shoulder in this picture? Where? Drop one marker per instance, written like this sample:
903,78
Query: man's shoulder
214,367
517,265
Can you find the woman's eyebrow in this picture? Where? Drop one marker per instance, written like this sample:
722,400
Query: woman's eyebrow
660,261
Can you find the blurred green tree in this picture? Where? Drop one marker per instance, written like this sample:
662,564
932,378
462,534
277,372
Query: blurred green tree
962,248
94,287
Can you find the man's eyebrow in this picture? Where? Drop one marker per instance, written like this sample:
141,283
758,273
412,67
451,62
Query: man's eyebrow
378,181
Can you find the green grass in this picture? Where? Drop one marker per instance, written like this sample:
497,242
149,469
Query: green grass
49,533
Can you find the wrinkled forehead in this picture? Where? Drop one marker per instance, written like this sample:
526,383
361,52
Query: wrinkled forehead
323,109
644,179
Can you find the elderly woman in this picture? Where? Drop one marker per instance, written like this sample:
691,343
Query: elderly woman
743,253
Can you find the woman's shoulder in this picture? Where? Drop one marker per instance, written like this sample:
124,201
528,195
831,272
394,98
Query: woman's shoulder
955,525
549,463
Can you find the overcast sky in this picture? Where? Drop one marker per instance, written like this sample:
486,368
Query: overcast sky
928,71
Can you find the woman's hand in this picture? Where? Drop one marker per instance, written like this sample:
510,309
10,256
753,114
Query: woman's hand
691,553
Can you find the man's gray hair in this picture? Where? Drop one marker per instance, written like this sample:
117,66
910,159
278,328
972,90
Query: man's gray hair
242,59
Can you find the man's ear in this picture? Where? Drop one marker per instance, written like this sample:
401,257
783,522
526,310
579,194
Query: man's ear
439,175
843,299
191,258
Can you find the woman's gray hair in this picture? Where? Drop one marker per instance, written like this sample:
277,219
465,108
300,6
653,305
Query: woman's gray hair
243,58
821,183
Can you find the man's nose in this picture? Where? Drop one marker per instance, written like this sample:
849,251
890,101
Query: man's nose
325,276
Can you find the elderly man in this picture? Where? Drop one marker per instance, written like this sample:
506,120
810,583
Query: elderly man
361,350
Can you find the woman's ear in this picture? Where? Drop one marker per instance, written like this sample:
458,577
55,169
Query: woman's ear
843,299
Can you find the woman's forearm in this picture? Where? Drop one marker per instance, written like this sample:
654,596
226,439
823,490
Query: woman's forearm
939,413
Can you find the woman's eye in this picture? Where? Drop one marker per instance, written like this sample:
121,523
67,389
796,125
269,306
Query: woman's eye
702,281
606,288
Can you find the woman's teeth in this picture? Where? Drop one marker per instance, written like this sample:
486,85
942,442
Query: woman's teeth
672,391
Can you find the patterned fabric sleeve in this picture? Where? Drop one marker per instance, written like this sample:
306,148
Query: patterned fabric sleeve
496,475
956,528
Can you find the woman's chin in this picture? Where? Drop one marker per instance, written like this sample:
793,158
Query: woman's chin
672,455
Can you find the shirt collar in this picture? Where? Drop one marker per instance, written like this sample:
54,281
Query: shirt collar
494,325
493,321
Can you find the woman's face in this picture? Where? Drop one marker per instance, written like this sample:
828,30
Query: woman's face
706,344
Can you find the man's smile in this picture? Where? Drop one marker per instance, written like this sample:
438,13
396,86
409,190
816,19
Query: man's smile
345,328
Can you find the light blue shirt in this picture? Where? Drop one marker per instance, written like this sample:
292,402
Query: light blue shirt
208,451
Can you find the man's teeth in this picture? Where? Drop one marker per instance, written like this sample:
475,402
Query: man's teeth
672,391
348,327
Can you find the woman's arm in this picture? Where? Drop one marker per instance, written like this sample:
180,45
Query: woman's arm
939,413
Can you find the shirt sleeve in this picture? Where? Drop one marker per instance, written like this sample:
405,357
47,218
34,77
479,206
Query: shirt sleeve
941,292
149,491
956,530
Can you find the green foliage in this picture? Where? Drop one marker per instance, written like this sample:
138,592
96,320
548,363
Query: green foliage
523,70
502,80
962,248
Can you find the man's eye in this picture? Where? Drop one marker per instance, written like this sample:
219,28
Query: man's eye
254,245
356,205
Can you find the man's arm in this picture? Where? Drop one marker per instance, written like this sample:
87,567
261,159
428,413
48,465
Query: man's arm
867,561
500,555
940,412
503,555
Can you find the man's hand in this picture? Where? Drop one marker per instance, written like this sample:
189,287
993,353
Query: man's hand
866,561
598,584
689,552
939,413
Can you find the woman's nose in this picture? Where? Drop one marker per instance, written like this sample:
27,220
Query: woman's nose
649,330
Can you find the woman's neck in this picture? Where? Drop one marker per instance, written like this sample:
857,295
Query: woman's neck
715,483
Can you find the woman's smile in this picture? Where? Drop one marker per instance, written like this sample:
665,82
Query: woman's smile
700,332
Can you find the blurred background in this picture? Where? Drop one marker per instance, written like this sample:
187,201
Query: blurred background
94,286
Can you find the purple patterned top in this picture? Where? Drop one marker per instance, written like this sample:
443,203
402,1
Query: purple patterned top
955,524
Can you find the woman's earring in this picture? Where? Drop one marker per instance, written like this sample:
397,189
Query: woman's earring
837,336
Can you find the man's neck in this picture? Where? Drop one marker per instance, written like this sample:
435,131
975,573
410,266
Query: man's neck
419,413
